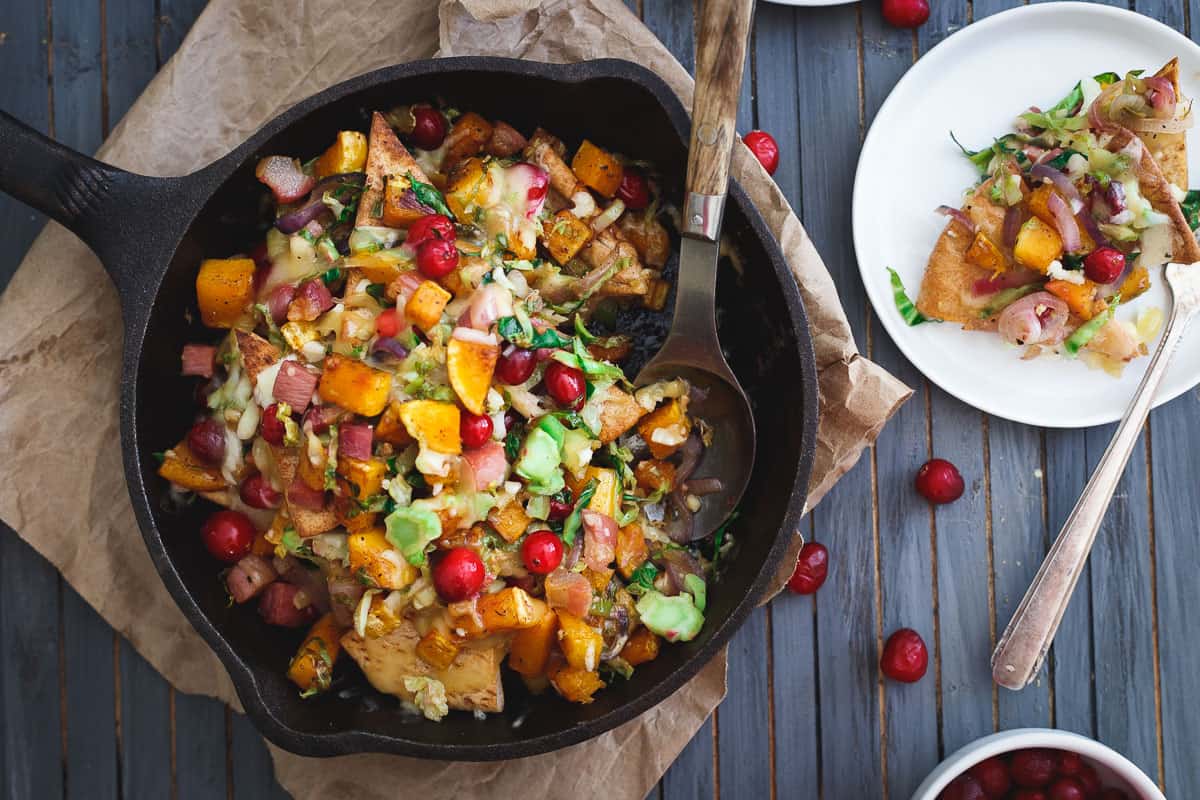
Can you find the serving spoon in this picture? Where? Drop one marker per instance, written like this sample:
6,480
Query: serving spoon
1022,649
692,349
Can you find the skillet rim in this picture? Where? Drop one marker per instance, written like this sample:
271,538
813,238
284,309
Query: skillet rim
136,310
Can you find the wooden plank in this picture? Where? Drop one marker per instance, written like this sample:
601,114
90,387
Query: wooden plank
175,18
145,727
253,773
847,658
130,60
200,747
672,22
31,749
692,776
792,620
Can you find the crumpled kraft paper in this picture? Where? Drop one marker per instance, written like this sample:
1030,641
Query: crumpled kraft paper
242,64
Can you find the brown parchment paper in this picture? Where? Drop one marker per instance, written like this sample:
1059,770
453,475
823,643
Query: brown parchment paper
243,63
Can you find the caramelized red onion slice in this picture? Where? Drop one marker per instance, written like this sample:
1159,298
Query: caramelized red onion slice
388,348
703,486
616,632
1088,223
278,301
1012,225
1061,182
1065,222
1039,318
312,208
1008,279
1160,93
957,214
678,564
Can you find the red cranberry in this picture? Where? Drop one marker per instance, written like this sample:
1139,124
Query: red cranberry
474,429
1028,794
228,535
1069,763
437,258
431,226
906,13
565,384
1113,794
1090,780
905,657
459,575
257,492
1033,768
992,774
206,440
559,510
387,324
271,427
964,787
515,366
542,552
811,568
634,191
939,481
429,127
765,149
1067,787
1104,264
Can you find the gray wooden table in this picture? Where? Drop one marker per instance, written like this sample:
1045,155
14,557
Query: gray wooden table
808,715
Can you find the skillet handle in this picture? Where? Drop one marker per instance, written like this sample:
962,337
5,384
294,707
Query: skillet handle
100,204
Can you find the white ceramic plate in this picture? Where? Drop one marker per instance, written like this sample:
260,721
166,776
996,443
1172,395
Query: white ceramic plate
811,2
975,83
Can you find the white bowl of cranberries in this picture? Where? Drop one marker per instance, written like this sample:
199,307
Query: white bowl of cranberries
1037,764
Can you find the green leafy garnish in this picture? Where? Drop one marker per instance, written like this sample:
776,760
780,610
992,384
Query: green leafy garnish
1060,161
331,275
1191,208
575,520
522,334
908,311
428,195
1085,332
377,290
642,579
512,444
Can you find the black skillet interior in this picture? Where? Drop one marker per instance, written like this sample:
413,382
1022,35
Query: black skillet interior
762,324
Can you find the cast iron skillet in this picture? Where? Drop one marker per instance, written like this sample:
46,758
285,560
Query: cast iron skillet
151,234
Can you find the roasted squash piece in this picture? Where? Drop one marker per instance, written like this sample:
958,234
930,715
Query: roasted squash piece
376,562
632,550
348,153
1079,297
665,429
579,642
466,138
642,647
433,424
224,290
375,267
983,252
401,208
606,498
424,308
181,467
391,428
470,366
354,386
312,473
364,475
1135,283
1037,245
386,156
597,169
437,649
653,474
576,685
312,667
510,522
468,185
507,610
565,235
531,647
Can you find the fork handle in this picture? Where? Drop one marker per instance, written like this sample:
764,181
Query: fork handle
1022,648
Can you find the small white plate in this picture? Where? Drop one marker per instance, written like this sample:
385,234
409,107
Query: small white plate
975,83
811,2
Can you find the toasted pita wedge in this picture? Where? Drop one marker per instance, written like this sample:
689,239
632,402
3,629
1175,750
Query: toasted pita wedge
257,353
386,157
309,522
1170,149
472,680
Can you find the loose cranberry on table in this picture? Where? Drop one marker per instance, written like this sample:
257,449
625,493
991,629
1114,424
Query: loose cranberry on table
939,481
474,429
634,190
206,440
765,149
271,427
812,567
228,535
905,657
431,226
459,575
1066,787
1104,264
565,384
515,365
542,552
906,13
1033,768
257,492
429,127
992,774
437,258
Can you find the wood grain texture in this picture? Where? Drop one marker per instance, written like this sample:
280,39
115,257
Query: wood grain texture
145,738
722,43
253,777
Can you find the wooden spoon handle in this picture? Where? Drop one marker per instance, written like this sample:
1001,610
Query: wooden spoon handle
720,56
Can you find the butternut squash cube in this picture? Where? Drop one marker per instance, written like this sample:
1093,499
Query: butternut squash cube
365,476
508,609
1079,297
607,497
375,267
641,647
312,474
348,153
598,578
510,522
433,424
579,642
470,366
468,185
597,169
466,138
1037,245
576,685
354,386
391,428
424,308
1135,283
531,646
983,252
665,429
632,550
224,289
437,649
181,467
565,235
653,474
312,667
401,208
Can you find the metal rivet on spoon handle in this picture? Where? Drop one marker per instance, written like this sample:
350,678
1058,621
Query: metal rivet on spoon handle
1022,649
692,349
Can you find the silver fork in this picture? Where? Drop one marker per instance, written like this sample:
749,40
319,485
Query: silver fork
1022,649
